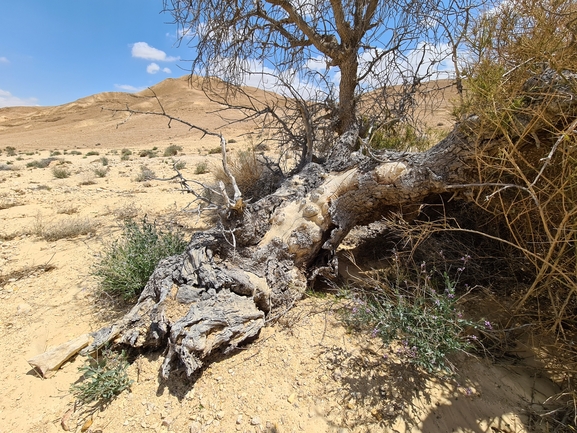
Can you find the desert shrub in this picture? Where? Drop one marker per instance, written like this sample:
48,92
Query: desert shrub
145,174
398,136
422,317
64,229
148,153
60,172
104,378
126,265
215,150
6,167
253,178
179,165
125,154
232,141
104,161
172,150
65,208
55,153
201,168
87,181
100,171
92,153
43,163
75,152
10,151
126,212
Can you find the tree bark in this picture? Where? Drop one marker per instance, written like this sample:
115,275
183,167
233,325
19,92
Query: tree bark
216,296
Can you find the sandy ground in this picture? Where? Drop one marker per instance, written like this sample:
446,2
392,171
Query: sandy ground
304,374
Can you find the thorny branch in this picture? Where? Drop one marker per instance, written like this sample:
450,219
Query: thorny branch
237,199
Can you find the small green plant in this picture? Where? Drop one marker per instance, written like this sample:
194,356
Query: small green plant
145,174
75,152
172,150
60,172
104,161
398,136
92,153
125,266
125,154
10,151
423,319
104,378
55,153
201,168
215,150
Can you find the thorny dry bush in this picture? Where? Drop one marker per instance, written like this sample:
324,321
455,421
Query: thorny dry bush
523,70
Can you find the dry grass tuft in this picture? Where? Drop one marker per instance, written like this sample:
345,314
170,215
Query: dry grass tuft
63,229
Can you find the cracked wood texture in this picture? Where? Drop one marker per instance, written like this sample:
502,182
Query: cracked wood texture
215,297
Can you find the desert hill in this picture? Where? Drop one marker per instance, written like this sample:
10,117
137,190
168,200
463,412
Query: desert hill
84,124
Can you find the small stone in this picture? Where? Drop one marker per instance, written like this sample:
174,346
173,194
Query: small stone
167,422
220,414
239,419
23,309
291,398
195,427
255,420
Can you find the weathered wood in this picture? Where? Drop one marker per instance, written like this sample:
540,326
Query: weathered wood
50,361
217,294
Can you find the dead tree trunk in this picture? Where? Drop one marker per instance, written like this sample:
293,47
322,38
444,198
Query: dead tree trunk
234,278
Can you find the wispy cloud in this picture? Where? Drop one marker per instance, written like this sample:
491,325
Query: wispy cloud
142,50
128,88
166,70
4,60
7,99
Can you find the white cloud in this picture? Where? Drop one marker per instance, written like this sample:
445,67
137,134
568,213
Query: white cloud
142,50
128,88
4,60
153,68
7,99
166,70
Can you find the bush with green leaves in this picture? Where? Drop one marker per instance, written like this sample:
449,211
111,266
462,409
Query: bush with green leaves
126,265
104,378
422,319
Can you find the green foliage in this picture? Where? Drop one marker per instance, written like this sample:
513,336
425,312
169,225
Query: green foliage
104,378
104,161
172,150
398,136
423,318
215,150
92,153
126,265
10,151
75,152
55,153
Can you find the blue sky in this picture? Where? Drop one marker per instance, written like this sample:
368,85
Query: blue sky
56,51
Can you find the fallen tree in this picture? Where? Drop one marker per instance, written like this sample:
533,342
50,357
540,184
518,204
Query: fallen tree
258,260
